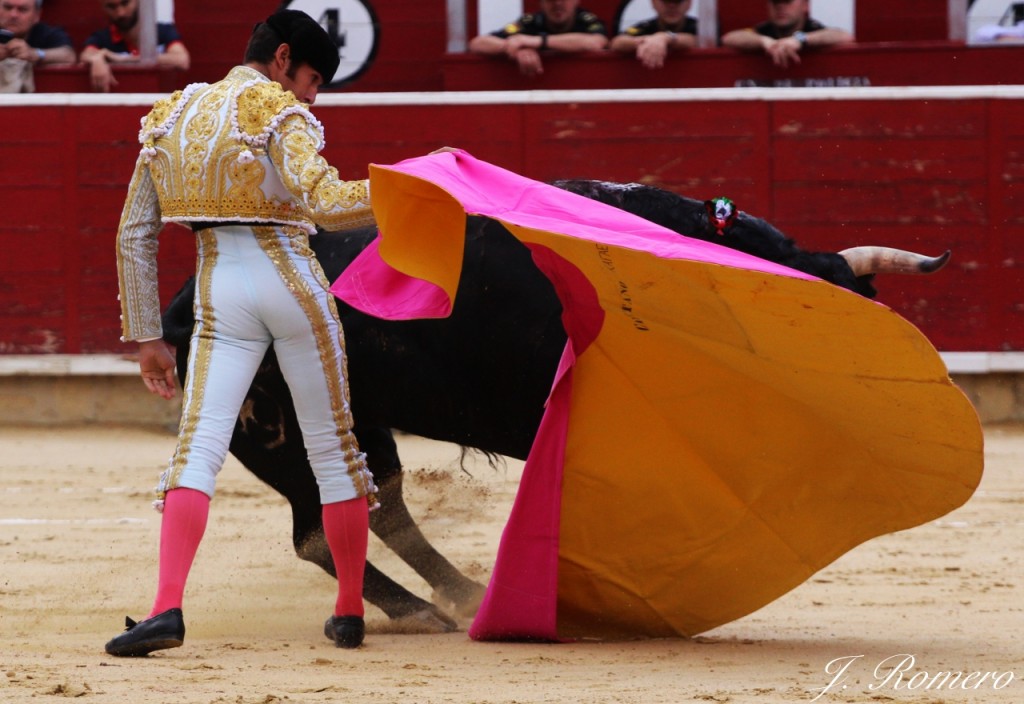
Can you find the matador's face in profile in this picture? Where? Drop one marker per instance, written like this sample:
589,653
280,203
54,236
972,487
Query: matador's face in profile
301,79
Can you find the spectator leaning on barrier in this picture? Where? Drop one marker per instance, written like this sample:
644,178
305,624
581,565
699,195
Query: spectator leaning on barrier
25,42
671,29
1009,29
561,25
118,43
787,32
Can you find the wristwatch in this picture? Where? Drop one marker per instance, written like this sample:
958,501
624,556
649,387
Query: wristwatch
801,37
41,54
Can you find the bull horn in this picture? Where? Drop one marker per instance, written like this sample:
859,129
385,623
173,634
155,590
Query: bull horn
886,260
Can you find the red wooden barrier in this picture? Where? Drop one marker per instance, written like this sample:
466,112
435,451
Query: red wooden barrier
130,79
903,21
921,63
832,168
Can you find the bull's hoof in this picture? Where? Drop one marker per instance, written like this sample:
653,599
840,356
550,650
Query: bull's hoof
430,620
465,599
345,631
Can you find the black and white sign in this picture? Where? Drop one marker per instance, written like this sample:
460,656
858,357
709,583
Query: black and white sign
353,26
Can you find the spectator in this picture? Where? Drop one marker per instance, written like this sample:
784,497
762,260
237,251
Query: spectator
1009,29
991,33
788,31
671,29
26,43
561,25
119,44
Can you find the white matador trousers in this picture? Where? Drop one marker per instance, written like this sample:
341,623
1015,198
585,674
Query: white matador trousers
257,286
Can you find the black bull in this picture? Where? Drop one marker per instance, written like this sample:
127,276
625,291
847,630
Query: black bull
478,378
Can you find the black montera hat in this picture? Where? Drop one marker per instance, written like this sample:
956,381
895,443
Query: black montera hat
310,43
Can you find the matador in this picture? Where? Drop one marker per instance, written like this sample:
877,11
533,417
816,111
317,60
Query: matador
238,162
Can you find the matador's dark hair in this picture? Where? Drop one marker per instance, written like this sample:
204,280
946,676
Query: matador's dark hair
310,43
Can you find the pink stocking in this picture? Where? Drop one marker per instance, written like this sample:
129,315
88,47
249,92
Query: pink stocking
346,525
182,528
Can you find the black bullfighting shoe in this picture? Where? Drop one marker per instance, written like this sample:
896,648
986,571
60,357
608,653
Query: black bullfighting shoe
165,630
345,631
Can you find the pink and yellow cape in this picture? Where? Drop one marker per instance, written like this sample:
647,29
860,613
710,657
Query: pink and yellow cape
719,429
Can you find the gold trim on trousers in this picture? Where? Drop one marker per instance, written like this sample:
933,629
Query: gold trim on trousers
258,286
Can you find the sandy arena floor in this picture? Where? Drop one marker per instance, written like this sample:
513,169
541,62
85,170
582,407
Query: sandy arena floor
78,552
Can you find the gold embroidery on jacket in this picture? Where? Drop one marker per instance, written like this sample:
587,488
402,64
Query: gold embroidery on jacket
136,259
212,152
259,104
245,179
162,110
339,204
199,132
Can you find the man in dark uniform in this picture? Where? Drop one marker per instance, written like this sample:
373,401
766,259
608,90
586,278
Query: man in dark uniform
788,31
671,29
118,43
561,25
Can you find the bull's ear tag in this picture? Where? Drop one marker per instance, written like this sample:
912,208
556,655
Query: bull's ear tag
721,213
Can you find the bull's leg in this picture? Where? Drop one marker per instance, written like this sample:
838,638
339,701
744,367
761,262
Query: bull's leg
264,441
397,529
398,603
395,526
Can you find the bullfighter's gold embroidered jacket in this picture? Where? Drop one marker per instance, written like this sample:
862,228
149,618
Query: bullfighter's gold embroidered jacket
243,149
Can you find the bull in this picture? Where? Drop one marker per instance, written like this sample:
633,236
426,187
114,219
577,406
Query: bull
478,378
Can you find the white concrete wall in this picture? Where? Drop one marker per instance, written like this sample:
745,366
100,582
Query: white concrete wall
59,390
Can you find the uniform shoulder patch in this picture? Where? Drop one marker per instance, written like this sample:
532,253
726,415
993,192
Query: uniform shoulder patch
592,22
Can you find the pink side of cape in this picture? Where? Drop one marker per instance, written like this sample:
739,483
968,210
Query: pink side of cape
522,596
481,188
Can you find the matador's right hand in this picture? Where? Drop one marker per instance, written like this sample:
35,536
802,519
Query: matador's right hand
156,364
